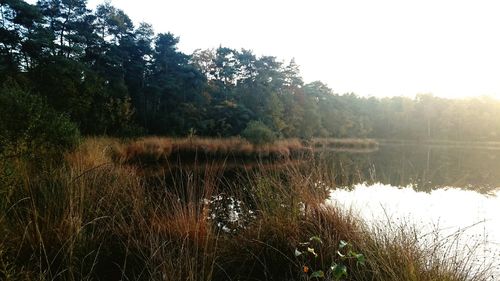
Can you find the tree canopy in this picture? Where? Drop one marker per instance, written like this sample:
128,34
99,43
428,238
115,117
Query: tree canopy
111,77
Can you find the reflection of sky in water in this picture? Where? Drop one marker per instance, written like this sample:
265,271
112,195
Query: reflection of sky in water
424,167
449,210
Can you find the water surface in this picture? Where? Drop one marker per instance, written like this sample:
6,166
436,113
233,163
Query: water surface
424,167
452,191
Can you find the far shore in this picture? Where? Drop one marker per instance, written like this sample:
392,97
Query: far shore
449,143
157,150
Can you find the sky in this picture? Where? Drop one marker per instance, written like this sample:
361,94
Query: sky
448,48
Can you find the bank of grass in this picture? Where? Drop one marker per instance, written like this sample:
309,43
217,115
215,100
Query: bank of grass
444,143
346,143
95,219
159,150
154,150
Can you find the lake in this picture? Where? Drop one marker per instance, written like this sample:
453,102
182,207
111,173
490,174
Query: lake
444,190
425,167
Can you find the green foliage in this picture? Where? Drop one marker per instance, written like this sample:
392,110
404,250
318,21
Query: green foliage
112,78
258,133
30,127
338,269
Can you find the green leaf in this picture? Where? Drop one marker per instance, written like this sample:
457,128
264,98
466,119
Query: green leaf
360,259
340,254
297,253
343,244
318,274
339,271
316,239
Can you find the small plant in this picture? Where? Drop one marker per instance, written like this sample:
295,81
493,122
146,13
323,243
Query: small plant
337,270
191,133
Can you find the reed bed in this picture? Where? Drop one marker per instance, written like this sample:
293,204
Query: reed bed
158,150
93,218
345,143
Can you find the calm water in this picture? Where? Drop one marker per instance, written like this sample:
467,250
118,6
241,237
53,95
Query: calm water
446,190
424,167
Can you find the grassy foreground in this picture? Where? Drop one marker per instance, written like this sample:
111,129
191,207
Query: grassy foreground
95,218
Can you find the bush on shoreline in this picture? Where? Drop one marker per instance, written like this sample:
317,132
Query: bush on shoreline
258,133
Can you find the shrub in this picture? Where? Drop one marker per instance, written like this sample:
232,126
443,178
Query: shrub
30,127
258,133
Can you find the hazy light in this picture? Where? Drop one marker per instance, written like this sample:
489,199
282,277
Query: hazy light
449,48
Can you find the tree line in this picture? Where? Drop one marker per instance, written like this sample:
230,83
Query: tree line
104,75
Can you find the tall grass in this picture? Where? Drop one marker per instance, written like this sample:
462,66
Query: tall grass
94,218
154,150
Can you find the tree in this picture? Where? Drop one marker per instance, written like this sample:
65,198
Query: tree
18,29
65,19
137,67
172,82
273,114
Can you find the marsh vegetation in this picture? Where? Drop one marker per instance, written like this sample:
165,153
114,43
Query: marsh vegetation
92,217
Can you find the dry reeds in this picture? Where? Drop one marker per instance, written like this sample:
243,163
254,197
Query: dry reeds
346,143
159,150
96,219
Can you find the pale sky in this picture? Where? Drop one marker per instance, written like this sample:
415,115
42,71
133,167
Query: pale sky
449,48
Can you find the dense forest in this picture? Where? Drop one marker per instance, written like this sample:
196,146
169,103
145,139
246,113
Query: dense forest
95,72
